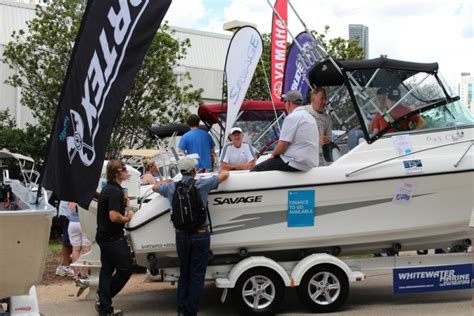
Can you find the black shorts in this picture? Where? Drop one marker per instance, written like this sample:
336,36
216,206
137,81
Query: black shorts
64,222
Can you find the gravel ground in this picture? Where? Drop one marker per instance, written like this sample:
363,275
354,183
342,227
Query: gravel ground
52,261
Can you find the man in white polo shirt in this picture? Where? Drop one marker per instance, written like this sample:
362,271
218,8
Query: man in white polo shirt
237,155
298,148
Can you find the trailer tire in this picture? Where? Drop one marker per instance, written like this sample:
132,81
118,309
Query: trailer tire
324,288
259,291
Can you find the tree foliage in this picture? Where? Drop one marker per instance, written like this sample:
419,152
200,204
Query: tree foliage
40,57
337,48
30,141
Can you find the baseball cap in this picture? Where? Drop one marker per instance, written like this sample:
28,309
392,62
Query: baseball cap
235,129
187,164
293,96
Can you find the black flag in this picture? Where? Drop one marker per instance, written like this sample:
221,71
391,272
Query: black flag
112,41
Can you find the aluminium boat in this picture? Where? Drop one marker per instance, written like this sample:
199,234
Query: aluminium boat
25,225
396,188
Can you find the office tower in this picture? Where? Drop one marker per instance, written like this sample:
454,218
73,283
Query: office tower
360,32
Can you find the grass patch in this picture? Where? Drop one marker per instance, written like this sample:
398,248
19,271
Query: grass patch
54,245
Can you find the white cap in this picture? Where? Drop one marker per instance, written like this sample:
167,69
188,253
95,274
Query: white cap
235,129
187,164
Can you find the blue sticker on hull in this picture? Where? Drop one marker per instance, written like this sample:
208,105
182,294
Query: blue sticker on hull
301,208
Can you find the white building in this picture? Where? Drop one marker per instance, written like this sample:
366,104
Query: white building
466,90
204,61
361,33
13,17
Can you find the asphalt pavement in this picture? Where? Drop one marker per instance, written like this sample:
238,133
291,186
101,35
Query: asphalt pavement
371,297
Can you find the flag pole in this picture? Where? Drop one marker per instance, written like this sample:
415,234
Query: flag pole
271,94
317,42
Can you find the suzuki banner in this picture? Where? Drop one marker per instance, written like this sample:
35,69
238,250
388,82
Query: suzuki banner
113,39
299,63
244,51
278,49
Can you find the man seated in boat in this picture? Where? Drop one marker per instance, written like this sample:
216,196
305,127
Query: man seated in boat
387,97
298,146
237,155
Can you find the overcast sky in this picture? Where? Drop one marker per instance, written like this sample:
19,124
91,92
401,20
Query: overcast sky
414,30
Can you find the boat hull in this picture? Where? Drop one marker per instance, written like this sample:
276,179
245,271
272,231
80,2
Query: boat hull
355,209
362,219
24,239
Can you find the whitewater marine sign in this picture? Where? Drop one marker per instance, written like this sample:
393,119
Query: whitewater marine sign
112,41
429,279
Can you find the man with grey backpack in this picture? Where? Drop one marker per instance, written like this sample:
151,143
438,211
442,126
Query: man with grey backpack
190,217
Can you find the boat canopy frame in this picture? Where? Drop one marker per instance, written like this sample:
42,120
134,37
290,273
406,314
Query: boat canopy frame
30,175
361,76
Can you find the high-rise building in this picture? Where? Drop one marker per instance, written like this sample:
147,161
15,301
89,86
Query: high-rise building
361,33
466,90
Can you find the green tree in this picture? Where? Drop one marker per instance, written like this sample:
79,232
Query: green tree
41,54
30,141
337,48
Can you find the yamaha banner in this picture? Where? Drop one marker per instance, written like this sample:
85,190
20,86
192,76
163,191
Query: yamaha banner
278,49
299,62
243,54
112,41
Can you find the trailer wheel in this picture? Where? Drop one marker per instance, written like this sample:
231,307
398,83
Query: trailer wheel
259,291
324,288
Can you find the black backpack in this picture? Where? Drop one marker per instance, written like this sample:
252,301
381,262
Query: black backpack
189,213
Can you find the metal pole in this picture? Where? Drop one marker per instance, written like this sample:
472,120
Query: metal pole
318,44
271,94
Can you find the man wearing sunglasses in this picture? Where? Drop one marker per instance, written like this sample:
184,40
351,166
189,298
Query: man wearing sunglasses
114,251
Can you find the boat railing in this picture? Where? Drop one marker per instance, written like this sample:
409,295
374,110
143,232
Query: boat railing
459,133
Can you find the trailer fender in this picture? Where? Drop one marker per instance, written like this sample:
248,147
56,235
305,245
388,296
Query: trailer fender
250,263
322,258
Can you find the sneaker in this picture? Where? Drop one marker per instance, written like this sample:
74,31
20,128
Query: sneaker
64,271
113,312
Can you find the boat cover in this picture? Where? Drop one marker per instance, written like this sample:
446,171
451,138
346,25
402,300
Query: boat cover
326,74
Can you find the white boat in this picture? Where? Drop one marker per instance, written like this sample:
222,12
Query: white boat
25,226
407,189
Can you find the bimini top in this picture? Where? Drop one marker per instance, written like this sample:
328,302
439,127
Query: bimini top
5,153
326,74
252,110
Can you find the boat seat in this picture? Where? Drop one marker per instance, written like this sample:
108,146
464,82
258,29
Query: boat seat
354,138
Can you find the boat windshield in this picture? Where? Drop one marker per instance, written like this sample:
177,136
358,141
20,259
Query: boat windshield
394,100
260,127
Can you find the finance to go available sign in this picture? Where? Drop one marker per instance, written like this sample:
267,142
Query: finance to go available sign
429,279
301,208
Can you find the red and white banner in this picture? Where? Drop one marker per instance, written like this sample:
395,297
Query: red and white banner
278,49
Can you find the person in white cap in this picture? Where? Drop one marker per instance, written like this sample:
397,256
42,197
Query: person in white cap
193,246
298,146
237,155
